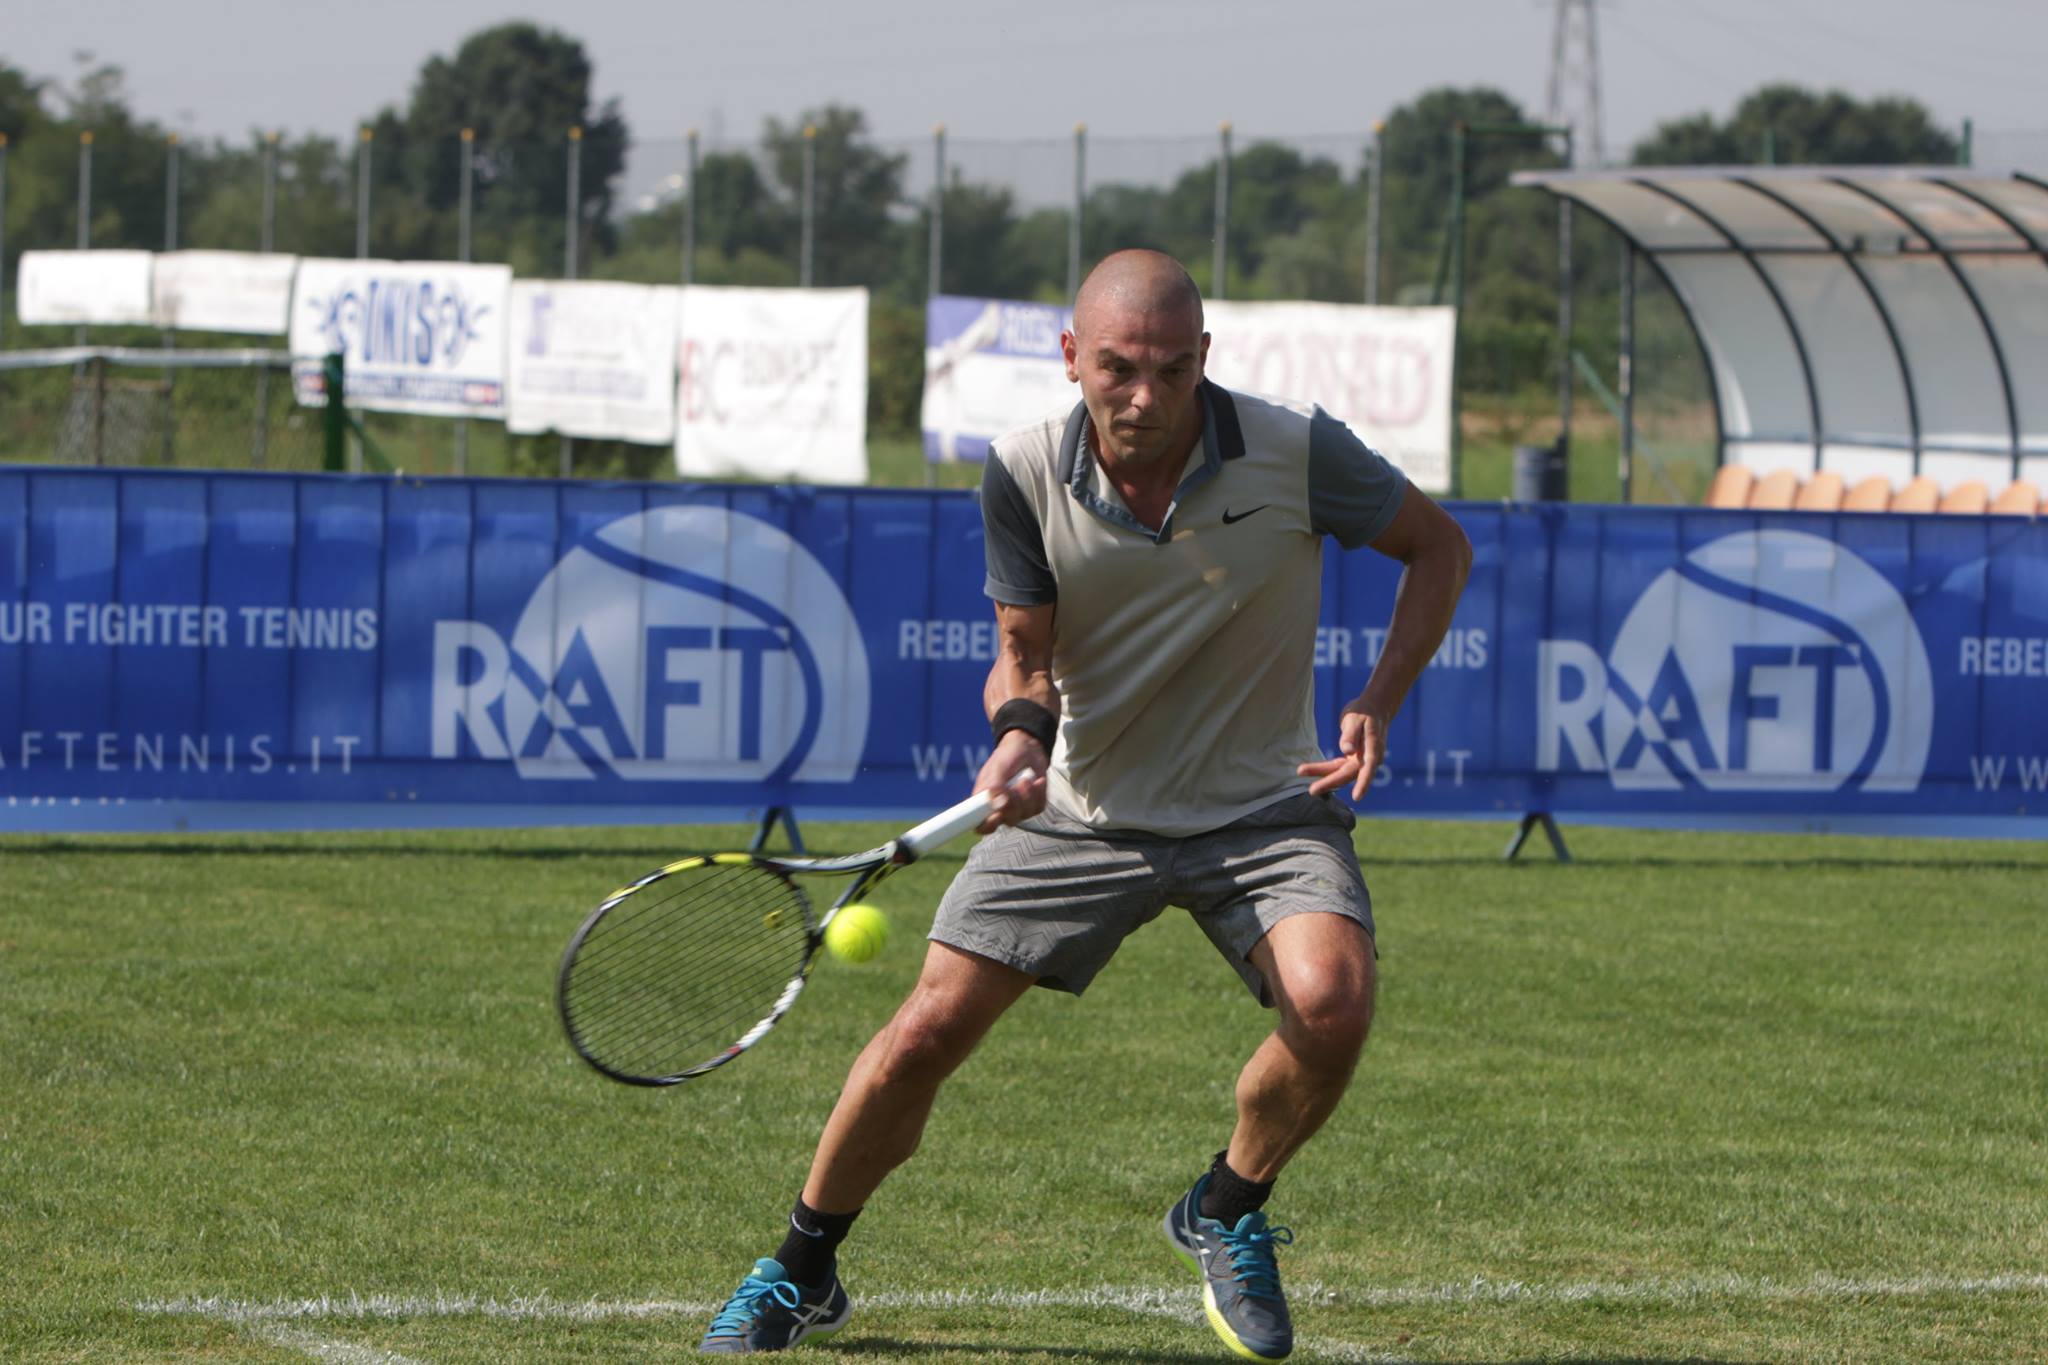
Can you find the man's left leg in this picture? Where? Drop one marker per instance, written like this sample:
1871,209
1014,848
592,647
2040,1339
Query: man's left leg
1319,968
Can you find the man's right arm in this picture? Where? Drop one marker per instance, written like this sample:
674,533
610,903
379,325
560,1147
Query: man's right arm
1026,593
1022,673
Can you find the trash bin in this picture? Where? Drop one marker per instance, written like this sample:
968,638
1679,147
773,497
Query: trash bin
1540,473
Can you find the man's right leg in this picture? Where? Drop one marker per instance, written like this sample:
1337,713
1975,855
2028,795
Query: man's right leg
874,1128
888,1095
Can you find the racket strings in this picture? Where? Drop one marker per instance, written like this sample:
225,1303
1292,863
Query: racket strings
677,971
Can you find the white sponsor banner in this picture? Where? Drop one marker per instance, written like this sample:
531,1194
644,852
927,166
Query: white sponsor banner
989,365
415,336
224,291
593,359
1383,372
102,288
773,383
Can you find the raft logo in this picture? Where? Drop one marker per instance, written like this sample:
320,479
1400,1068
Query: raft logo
678,644
1765,661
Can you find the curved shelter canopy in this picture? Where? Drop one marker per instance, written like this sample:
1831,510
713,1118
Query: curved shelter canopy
1864,320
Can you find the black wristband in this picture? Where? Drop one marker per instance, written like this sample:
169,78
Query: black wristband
1022,713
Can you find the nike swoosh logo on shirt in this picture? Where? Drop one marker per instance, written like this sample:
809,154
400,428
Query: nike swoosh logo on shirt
1228,518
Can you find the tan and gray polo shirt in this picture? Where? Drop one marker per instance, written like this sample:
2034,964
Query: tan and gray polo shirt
1184,658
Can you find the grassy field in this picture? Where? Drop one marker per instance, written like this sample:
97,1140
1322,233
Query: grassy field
1689,1098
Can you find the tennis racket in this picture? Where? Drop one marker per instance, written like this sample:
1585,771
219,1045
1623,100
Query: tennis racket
684,970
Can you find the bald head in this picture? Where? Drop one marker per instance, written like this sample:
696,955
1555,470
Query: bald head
1137,284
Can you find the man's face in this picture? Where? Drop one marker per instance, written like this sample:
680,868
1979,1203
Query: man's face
1138,369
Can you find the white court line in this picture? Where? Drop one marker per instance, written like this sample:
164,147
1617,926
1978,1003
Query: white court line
1138,1298
271,1318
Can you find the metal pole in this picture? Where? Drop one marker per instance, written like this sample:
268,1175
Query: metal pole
1375,172
934,286
259,454
168,451
1564,314
810,204
85,189
690,211
465,206
1074,219
268,241
1965,153
3,239
363,137
575,212
1456,243
1628,368
85,235
1220,271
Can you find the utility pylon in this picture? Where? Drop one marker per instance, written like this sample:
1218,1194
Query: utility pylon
1575,79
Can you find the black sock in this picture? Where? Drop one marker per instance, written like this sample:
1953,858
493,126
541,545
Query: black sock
810,1252
1229,1196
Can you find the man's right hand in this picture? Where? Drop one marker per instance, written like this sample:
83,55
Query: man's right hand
1014,801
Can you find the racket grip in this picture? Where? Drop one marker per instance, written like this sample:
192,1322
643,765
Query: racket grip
954,821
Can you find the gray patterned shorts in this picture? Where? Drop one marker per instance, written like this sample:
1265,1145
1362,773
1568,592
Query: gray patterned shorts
1055,898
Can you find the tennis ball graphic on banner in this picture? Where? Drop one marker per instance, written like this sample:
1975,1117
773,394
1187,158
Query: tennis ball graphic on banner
857,933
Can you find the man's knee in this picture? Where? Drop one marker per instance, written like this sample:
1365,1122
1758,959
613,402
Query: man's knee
1325,994
947,1013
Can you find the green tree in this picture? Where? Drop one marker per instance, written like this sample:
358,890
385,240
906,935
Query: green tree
857,189
1803,127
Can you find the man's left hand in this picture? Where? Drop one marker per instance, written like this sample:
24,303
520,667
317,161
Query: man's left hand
1361,744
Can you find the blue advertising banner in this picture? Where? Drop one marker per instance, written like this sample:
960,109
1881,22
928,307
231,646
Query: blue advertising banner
185,650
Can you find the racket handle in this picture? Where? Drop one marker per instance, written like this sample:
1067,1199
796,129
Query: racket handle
954,821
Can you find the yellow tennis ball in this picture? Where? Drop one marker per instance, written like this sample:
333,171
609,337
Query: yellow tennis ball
856,933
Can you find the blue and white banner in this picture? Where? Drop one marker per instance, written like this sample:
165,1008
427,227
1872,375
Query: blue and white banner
592,358
989,365
185,650
415,336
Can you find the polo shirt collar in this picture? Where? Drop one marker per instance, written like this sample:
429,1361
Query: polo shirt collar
1222,439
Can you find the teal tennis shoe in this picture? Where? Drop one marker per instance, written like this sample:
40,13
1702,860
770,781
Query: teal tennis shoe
1241,1293
768,1312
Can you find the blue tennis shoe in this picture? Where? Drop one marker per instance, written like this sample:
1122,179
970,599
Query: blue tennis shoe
1240,1278
768,1312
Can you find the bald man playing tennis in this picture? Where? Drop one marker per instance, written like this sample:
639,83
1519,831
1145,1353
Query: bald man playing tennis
1155,560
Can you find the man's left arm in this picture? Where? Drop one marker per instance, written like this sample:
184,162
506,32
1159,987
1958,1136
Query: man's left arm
1436,557
1361,499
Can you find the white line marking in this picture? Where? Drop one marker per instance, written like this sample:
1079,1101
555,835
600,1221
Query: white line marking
319,1348
1171,1302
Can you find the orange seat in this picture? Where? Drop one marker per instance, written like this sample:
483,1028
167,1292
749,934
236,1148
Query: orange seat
1730,487
2019,499
1774,492
1873,494
1967,498
1921,495
1822,493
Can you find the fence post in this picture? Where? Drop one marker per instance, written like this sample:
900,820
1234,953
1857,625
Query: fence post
3,239
1375,171
363,137
168,448
84,205
1627,376
1074,220
465,202
259,453
690,209
934,285
1221,269
335,425
574,209
1564,313
810,193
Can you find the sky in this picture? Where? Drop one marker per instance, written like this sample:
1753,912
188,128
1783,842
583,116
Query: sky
1030,71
